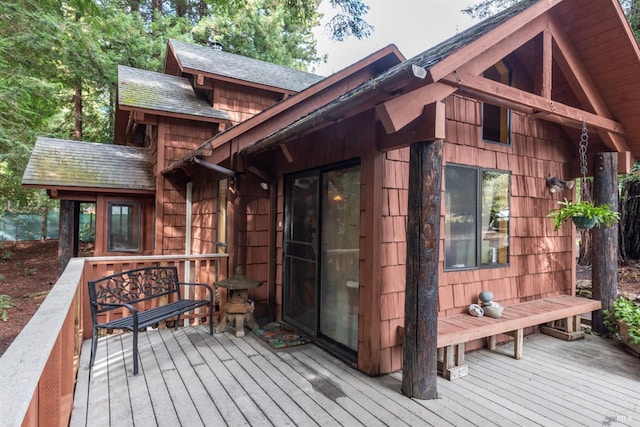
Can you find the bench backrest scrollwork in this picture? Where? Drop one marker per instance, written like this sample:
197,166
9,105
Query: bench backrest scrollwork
133,286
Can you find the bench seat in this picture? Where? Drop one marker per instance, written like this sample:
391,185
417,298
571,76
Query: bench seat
155,315
560,314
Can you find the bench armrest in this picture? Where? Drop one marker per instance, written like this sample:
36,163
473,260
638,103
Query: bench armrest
209,288
131,308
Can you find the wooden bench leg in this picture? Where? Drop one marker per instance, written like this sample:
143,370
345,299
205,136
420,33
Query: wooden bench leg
518,340
451,361
570,330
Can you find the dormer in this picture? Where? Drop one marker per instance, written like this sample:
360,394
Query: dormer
235,84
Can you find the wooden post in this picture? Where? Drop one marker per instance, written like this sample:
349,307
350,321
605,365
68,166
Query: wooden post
68,235
605,239
420,357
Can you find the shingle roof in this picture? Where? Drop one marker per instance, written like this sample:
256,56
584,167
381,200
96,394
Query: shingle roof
426,59
63,163
162,93
239,67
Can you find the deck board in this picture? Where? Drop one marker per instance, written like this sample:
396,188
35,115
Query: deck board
189,378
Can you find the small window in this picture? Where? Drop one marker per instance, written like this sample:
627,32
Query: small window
496,121
124,227
476,217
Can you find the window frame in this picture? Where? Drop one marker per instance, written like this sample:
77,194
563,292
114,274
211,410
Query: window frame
129,204
479,232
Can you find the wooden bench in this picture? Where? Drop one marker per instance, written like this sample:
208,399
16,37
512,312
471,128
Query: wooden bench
560,314
146,297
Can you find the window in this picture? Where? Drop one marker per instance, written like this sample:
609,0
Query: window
476,217
124,226
496,121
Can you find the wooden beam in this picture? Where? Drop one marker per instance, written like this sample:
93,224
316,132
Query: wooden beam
547,65
420,349
605,239
286,152
581,84
625,162
428,127
478,86
398,112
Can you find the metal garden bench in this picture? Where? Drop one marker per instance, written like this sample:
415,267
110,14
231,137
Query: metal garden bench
145,297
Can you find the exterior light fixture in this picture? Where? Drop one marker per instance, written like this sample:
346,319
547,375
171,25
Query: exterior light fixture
264,185
555,184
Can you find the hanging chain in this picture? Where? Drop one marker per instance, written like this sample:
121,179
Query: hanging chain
582,151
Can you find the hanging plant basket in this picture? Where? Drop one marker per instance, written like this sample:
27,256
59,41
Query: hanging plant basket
584,214
583,222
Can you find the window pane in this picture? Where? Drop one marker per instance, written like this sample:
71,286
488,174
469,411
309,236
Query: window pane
124,226
495,218
495,119
461,197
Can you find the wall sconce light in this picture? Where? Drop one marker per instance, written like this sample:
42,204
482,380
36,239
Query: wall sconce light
555,184
264,185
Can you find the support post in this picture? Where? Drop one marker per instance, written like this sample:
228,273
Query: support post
420,357
68,235
605,239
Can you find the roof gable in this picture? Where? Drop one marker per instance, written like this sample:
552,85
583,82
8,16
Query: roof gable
572,41
162,94
295,107
89,165
196,59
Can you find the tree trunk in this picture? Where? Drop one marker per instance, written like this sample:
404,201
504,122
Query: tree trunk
77,103
420,362
605,239
68,235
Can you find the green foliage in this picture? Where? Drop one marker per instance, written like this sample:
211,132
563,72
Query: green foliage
5,303
87,233
5,254
625,311
602,214
58,61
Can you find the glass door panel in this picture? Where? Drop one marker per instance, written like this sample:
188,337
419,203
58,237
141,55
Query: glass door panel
340,256
321,254
300,253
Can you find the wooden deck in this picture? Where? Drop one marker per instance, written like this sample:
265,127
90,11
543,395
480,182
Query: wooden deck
189,378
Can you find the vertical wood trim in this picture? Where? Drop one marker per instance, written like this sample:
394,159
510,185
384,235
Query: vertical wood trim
372,200
547,59
605,239
420,358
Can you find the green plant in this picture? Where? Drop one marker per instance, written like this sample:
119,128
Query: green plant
5,303
602,214
627,312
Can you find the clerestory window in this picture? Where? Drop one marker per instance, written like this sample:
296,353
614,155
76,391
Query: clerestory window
496,120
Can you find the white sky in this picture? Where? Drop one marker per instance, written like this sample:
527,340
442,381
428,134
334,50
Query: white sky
412,25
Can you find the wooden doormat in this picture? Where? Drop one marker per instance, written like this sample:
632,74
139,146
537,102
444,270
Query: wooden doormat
280,336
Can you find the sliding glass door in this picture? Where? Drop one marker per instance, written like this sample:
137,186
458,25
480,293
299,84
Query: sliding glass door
321,253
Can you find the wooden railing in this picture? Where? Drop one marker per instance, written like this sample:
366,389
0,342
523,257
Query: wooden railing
38,371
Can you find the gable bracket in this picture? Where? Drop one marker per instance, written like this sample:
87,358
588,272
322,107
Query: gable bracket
542,108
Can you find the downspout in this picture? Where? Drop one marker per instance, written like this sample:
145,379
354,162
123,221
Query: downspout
273,218
187,234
